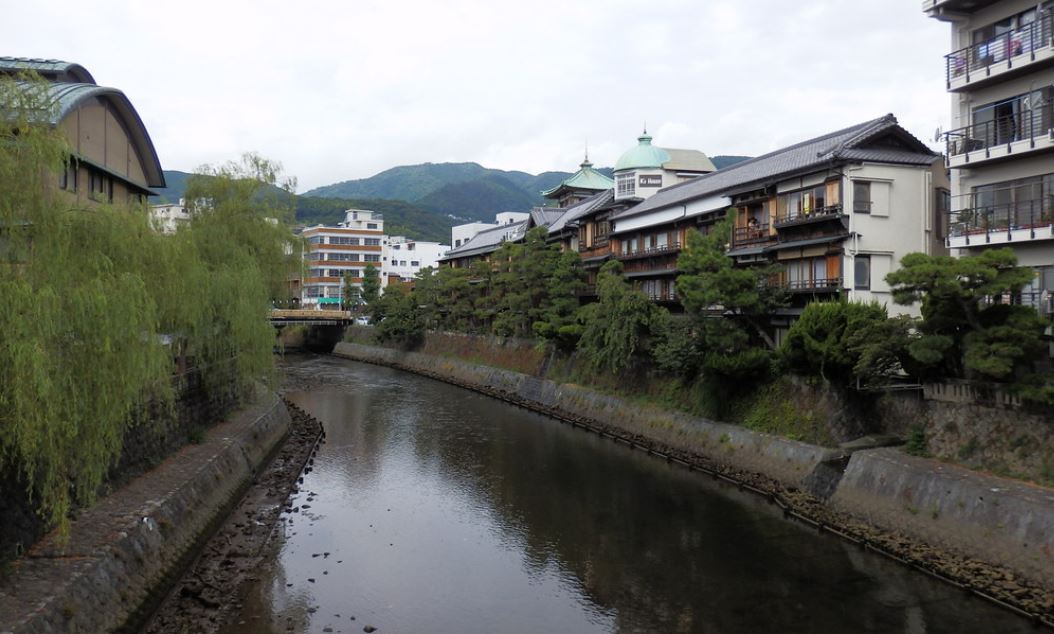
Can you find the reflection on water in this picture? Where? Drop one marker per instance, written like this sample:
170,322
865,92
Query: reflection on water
433,509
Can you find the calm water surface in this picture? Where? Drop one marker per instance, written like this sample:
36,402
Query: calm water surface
445,511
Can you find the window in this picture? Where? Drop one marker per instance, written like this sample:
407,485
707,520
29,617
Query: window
861,197
371,258
316,240
344,240
942,211
402,262
457,243
862,273
625,184
313,291
68,178
415,263
372,242
603,229
98,185
629,247
371,225
396,247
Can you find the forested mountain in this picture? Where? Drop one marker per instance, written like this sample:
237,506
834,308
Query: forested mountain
423,201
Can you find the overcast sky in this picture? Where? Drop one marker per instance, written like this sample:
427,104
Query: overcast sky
343,90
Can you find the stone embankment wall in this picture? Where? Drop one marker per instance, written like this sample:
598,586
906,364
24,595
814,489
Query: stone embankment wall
999,520
122,551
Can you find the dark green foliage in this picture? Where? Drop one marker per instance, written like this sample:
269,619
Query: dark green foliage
558,322
711,284
820,341
371,285
962,332
917,444
397,318
618,330
520,283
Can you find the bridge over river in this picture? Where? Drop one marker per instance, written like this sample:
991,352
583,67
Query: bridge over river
323,328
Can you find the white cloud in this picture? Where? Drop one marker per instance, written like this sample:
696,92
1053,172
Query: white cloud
340,90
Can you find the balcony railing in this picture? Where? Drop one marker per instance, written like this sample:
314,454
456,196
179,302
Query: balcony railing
751,235
1042,301
669,247
1023,126
1006,218
820,285
808,214
1001,48
668,296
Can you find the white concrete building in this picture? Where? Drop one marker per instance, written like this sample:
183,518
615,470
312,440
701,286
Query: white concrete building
404,258
1000,75
168,217
335,253
461,234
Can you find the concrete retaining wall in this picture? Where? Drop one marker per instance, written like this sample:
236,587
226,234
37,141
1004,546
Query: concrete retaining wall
123,550
788,461
1001,521
1009,522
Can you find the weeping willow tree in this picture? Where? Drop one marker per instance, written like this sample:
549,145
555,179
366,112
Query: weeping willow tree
96,305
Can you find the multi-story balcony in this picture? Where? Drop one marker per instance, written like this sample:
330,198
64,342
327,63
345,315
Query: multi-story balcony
751,234
1027,132
1002,224
668,248
807,215
1026,48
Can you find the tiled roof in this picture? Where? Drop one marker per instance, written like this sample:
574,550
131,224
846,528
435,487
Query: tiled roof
545,216
488,240
842,145
585,178
584,207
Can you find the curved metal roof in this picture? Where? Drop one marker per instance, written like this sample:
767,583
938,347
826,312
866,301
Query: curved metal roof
65,98
642,156
585,178
50,68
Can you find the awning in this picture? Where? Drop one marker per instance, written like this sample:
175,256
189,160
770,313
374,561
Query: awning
328,300
655,273
735,253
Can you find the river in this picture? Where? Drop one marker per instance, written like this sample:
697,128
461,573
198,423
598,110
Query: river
435,509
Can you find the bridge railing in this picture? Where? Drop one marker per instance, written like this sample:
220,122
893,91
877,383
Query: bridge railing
309,314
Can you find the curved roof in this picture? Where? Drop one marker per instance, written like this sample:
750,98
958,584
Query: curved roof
71,85
643,155
54,69
585,178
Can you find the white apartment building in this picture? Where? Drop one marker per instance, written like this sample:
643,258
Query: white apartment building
168,217
1000,75
461,234
333,253
404,258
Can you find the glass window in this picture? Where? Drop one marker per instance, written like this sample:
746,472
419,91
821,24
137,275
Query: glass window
862,264
625,185
371,225
372,242
862,197
415,263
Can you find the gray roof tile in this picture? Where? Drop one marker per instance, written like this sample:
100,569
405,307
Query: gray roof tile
848,144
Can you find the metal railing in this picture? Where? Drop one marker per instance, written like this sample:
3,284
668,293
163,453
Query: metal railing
1001,48
1005,218
752,234
793,216
669,247
1027,125
819,284
1042,301
668,296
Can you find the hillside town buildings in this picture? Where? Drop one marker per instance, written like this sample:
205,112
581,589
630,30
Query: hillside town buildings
112,157
1000,76
168,217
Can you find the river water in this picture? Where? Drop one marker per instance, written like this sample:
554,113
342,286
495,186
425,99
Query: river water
435,509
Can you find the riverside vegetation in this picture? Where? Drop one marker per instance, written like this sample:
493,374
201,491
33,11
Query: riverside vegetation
719,358
101,311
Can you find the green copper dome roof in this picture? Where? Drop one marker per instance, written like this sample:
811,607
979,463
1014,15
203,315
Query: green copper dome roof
585,178
643,156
